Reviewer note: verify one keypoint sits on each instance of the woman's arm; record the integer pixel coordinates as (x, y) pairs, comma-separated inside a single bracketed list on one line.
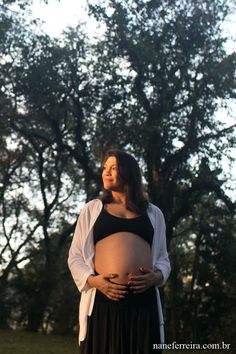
[(78, 265)]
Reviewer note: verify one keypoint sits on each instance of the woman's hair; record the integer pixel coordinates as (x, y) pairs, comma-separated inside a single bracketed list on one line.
[(130, 176)]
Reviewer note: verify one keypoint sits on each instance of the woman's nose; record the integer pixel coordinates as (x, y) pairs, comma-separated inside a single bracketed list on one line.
[(107, 172)]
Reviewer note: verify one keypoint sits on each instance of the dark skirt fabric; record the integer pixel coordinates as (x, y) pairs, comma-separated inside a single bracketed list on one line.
[(128, 326)]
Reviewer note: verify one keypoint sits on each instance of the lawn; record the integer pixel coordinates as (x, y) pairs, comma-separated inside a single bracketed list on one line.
[(17, 342)]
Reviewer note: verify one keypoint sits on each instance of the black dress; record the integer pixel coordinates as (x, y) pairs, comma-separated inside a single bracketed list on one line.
[(128, 326)]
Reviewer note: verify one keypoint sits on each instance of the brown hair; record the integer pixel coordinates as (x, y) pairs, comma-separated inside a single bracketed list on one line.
[(130, 175)]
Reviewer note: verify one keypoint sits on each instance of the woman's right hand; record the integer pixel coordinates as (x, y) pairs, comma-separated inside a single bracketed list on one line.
[(102, 282)]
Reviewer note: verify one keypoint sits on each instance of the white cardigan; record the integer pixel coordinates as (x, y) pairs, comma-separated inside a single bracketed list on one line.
[(81, 254)]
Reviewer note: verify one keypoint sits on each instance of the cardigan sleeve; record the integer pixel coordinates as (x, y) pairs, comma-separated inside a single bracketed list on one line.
[(161, 259), (78, 263)]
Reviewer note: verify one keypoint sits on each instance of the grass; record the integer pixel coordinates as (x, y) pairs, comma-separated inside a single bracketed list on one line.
[(19, 342)]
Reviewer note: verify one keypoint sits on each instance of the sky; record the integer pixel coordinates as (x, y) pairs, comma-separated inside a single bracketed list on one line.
[(59, 14)]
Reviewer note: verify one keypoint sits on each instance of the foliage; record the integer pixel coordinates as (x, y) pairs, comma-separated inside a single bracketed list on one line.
[(204, 249)]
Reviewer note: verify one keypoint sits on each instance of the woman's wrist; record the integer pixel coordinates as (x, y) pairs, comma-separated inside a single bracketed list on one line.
[(91, 280), (159, 277)]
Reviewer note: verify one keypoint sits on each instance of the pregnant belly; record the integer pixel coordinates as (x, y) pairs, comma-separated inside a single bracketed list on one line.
[(122, 254)]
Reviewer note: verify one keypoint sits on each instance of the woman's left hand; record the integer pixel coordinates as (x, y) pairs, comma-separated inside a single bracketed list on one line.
[(140, 283)]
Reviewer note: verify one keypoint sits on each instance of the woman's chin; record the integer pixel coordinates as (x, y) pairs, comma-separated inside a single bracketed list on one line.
[(107, 187)]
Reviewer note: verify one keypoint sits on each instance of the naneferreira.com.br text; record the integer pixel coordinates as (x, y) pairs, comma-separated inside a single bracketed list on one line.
[(194, 346)]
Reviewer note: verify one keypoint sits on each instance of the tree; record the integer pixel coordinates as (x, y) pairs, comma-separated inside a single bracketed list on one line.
[(51, 179), (36, 185), (175, 70), (203, 251)]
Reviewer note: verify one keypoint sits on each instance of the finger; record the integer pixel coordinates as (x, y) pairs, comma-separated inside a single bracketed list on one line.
[(111, 294), (119, 290), (112, 298), (137, 283), (138, 278), (135, 289), (110, 276), (145, 270), (138, 286), (141, 277), (117, 287), (116, 296), (139, 289)]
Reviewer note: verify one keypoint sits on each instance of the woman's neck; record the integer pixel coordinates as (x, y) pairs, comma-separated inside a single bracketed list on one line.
[(119, 198)]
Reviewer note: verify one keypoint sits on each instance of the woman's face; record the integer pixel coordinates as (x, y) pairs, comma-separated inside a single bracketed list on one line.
[(110, 175)]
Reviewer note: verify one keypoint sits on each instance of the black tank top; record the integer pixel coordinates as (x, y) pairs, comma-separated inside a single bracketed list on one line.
[(108, 224)]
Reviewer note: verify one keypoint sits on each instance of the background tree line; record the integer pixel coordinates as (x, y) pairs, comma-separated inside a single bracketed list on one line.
[(151, 83)]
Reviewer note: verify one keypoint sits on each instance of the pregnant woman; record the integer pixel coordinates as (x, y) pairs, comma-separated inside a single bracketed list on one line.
[(118, 259)]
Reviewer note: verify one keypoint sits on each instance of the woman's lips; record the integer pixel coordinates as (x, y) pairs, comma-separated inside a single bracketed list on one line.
[(107, 179)]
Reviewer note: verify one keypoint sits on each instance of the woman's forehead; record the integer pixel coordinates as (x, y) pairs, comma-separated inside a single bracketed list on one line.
[(111, 161)]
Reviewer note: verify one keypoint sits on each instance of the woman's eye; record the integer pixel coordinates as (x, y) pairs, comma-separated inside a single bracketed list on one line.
[(113, 168)]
